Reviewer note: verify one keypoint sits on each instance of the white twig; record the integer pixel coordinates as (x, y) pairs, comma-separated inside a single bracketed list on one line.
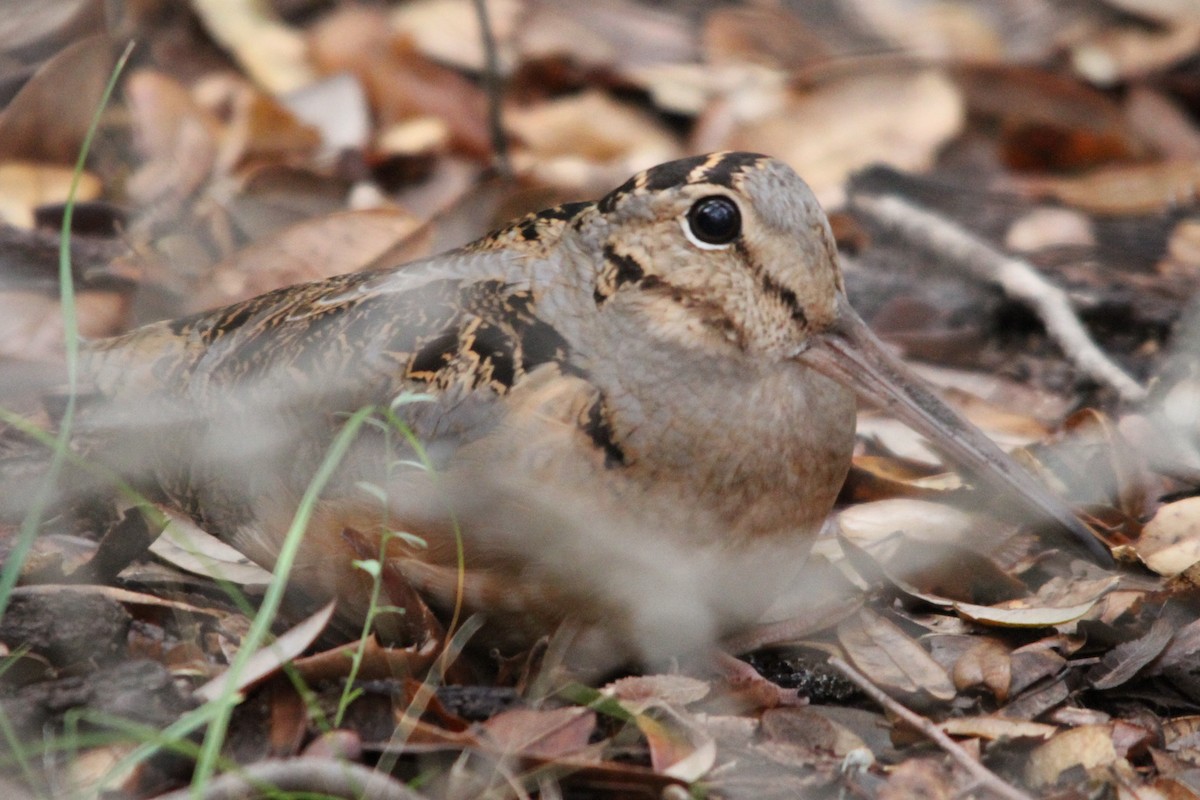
[(984, 776), (1015, 276)]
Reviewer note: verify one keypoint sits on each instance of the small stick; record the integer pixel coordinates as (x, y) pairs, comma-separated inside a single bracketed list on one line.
[(491, 82), (1015, 276), (983, 776)]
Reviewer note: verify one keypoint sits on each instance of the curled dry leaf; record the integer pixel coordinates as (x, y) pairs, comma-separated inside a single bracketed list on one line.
[(679, 748), (187, 546), (897, 118), (1122, 663), (1170, 541), (932, 31), (1052, 606), (892, 658)]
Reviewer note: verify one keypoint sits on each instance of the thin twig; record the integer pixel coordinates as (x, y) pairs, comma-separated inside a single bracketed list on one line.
[(984, 776), (316, 775), (492, 84), (1015, 276)]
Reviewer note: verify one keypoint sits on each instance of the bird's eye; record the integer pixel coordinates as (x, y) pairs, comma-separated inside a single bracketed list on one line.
[(714, 220)]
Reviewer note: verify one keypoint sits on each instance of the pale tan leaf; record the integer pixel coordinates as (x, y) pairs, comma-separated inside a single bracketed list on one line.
[(1087, 747), (586, 140), (996, 728), (190, 548), (1016, 615), (271, 657), (275, 56), (636, 691), (541, 733), (897, 118), (892, 658), (25, 185), (678, 747), (1170, 541)]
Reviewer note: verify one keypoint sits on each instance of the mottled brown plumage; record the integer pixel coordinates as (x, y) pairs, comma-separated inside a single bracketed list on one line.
[(627, 403)]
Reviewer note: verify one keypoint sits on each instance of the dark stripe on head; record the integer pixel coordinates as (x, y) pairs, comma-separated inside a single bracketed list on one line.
[(673, 173), (731, 165), (564, 212)]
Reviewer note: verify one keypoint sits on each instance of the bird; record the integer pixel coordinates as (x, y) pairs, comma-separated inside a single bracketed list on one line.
[(634, 413)]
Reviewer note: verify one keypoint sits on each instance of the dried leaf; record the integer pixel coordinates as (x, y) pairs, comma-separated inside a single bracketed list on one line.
[(1150, 188), (275, 55), (897, 118), (1088, 746), (1051, 607), (581, 142), (891, 657), (987, 663), (801, 736), (546, 734), (637, 691), (1120, 664), (996, 728), (272, 657), (25, 185), (678, 748), (1170, 542), (49, 117), (185, 545)]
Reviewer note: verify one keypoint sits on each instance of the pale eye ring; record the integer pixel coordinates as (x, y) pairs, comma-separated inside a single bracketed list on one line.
[(713, 222)]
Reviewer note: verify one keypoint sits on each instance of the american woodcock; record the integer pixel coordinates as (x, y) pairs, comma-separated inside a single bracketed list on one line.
[(639, 409)]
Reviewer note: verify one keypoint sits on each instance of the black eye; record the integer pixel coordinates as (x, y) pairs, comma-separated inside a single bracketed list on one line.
[(715, 220)]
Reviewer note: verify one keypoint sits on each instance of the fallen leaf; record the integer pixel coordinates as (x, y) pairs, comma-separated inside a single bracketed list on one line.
[(1150, 188), (636, 691), (270, 658), (1170, 541), (898, 118), (185, 545), (25, 185), (987, 663), (582, 142), (893, 659), (1088, 747), (550, 733), (275, 55), (1120, 664), (1020, 614), (49, 117), (996, 728)]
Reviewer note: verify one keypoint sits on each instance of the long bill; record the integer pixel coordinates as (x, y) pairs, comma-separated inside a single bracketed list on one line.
[(851, 354)]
